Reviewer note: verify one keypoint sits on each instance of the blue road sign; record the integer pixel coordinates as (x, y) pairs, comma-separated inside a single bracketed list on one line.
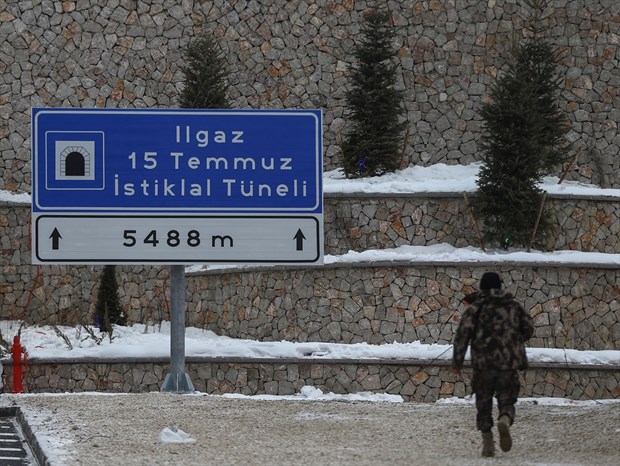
[(153, 160), (177, 186)]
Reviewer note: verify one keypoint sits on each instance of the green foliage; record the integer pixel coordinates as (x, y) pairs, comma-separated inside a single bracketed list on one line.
[(523, 140), (108, 309), (206, 74), (373, 145)]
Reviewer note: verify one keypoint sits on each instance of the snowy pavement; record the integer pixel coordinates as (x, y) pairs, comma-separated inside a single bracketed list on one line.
[(167, 429)]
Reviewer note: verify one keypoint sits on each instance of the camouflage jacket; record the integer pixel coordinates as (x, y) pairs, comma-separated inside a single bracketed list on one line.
[(497, 328)]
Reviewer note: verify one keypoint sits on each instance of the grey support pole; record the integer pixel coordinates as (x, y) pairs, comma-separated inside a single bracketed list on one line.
[(177, 380)]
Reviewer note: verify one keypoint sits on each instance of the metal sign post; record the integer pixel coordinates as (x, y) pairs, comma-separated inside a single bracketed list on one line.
[(164, 186), (177, 380)]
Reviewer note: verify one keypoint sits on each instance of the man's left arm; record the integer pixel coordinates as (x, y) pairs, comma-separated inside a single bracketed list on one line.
[(461, 339), (526, 324)]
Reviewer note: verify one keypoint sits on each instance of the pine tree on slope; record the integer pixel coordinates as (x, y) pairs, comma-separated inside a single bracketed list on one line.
[(206, 74), (523, 140), (372, 147)]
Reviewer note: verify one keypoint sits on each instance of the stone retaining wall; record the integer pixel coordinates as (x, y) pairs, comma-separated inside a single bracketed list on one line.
[(421, 381), (401, 301), (363, 221), (296, 54)]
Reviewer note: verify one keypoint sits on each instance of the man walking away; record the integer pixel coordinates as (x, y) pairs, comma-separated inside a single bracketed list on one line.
[(497, 328)]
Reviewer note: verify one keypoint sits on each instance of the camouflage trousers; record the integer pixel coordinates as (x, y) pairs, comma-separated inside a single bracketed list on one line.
[(504, 385)]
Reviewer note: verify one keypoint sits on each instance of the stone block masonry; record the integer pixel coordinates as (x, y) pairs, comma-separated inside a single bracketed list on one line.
[(413, 380), (365, 221), (400, 301), (297, 54)]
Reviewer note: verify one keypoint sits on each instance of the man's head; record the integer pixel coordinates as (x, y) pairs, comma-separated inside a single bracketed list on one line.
[(490, 280)]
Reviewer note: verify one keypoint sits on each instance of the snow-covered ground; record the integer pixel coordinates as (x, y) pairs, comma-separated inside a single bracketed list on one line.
[(139, 340), (310, 428), (442, 178)]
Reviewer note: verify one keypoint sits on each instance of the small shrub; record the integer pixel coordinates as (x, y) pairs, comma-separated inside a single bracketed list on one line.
[(108, 310)]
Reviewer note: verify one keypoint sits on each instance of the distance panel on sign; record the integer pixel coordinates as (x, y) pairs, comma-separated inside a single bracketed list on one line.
[(110, 239)]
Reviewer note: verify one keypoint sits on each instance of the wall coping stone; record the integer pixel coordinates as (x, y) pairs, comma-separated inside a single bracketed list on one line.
[(421, 194), (14, 204), (348, 361), (403, 263), (451, 194)]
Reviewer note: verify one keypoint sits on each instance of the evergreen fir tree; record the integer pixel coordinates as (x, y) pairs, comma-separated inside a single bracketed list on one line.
[(206, 74), (523, 140), (108, 309), (373, 145)]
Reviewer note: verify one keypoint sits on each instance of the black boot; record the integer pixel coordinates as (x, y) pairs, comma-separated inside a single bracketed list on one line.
[(503, 426), (488, 446)]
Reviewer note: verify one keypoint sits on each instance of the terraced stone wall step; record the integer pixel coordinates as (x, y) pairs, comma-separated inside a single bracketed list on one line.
[(573, 306), (414, 380)]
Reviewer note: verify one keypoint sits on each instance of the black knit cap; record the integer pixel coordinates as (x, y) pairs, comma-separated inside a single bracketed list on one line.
[(490, 280)]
